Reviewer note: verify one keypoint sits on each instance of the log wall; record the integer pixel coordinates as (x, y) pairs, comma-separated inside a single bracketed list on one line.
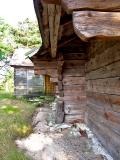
[(103, 93), (74, 90), (67, 71)]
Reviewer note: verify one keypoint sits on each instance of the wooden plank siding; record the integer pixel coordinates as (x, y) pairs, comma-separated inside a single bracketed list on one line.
[(103, 93), (49, 86), (26, 83)]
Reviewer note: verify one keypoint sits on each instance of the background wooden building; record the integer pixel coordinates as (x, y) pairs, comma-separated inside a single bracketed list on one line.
[(26, 83)]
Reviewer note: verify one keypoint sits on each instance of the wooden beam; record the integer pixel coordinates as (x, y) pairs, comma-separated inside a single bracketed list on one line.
[(54, 13), (89, 24), (101, 5), (52, 1)]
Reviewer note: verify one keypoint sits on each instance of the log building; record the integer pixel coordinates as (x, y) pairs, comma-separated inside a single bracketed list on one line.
[(26, 83), (81, 54)]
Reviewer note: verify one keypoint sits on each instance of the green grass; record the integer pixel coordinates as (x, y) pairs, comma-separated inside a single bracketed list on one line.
[(15, 117)]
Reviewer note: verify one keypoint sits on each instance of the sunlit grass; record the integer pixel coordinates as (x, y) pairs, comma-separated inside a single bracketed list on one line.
[(15, 117), (10, 109), (15, 120)]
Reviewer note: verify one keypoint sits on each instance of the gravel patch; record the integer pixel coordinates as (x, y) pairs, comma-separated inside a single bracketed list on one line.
[(52, 141)]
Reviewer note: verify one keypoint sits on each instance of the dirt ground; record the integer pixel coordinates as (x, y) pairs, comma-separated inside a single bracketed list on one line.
[(51, 141)]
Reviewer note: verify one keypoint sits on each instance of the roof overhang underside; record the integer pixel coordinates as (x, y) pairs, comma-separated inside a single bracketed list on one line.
[(59, 20)]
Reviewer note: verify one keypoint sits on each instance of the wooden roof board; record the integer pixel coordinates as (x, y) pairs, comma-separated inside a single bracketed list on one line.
[(52, 1), (89, 24), (100, 5), (19, 58)]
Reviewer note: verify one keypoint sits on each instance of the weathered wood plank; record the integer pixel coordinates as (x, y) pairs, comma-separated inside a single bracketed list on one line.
[(74, 72), (74, 92), (89, 24), (112, 70), (74, 118), (54, 13), (45, 22), (95, 116), (78, 98), (74, 109), (73, 56), (108, 86), (74, 63), (52, 1), (105, 58), (108, 115), (108, 138), (105, 102), (46, 64), (75, 106), (50, 72), (74, 81), (106, 5), (74, 112)]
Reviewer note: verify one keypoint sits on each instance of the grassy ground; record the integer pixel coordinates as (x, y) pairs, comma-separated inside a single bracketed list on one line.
[(15, 117)]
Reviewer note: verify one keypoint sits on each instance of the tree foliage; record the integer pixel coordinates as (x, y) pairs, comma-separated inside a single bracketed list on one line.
[(25, 34)]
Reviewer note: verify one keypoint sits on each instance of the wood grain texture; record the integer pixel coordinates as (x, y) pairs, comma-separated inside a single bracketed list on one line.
[(106, 5), (89, 24), (108, 71), (103, 93), (105, 56), (54, 13), (52, 1), (108, 138), (108, 86)]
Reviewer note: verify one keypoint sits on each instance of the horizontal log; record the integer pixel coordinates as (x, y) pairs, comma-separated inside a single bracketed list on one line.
[(75, 106), (74, 72), (52, 1), (46, 72), (95, 116), (106, 56), (107, 86), (73, 112), (74, 63), (106, 5), (108, 115), (75, 87), (98, 46), (74, 92), (73, 56), (109, 139), (78, 98), (74, 81), (53, 79), (105, 101), (74, 118), (112, 70), (45, 64), (74, 109), (89, 24)]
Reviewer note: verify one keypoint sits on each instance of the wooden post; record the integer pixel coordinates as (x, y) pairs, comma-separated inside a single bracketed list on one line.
[(60, 103)]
